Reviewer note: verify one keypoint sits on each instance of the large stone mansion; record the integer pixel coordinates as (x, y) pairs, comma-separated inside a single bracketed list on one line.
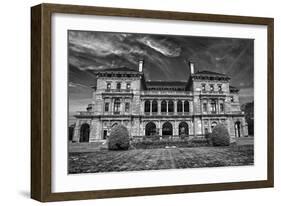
[(165, 108)]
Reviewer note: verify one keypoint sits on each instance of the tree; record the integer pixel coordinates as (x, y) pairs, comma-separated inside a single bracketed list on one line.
[(119, 138), (220, 136)]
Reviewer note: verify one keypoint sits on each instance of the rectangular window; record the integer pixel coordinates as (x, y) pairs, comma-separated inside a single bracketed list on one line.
[(106, 107), (211, 87), (204, 107), (220, 88), (117, 106), (221, 107), (118, 86), (232, 99), (127, 107), (128, 86), (108, 86), (203, 87), (213, 107)]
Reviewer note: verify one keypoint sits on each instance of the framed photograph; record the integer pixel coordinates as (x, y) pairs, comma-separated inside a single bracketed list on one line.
[(132, 102)]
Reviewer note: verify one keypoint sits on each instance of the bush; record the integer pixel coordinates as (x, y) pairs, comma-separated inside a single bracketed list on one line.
[(119, 138), (220, 136)]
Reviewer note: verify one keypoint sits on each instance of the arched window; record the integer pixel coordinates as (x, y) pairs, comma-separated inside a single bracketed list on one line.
[(147, 106), (154, 106), (163, 106), (84, 132), (179, 106), (167, 129), (117, 106), (186, 106), (150, 129), (183, 129), (213, 106), (170, 106), (213, 124), (237, 128)]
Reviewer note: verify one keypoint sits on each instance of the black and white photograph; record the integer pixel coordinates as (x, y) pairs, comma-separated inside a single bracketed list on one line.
[(155, 101)]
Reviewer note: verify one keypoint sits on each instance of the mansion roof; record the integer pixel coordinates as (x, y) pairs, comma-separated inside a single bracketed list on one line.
[(162, 84)]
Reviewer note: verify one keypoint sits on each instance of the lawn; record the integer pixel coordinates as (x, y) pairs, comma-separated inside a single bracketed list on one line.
[(155, 159)]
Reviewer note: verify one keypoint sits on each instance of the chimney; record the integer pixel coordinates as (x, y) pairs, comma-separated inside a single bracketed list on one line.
[(191, 66), (140, 65)]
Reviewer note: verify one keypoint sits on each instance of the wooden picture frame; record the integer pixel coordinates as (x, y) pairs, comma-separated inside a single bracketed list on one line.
[(41, 96)]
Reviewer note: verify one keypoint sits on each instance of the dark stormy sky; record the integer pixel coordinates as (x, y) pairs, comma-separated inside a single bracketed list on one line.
[(165, 59)]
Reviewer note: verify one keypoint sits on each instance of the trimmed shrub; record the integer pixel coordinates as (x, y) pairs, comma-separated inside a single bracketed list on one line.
[(220, 136), (119, 138)]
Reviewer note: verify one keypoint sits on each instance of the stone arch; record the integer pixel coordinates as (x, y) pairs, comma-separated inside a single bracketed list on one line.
[(167, 129), (114, 124), (170, 106), (154, 106), (150, 129), (213, 124), (163, 106), (147, 106), (84, 133), (186, 106), (183, 129), (179, 106)]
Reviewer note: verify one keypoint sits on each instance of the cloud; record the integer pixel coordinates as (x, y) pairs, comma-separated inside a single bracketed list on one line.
[(76, 85), (162, 46)]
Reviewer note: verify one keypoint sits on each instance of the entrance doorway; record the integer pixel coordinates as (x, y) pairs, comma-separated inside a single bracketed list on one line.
[(84, 133), (183, 129), (167, 129), (104, 134), (150, 129), (237, 127)]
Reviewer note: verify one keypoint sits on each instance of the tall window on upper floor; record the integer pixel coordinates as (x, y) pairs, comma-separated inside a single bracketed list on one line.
[(127, 107), (211, 87), (117, 106), (204, 107), (128, 86), (147, 106), (154, 106), (232, 99), (203, 87), (186, 106), (118, 86), (108, 86), (220, 88), (213, 107), (106, 107), (179, 106), (170, 106), (221, 107), (163, 106)]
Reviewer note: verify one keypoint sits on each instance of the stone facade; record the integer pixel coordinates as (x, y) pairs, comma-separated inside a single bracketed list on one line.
[(191, 108)]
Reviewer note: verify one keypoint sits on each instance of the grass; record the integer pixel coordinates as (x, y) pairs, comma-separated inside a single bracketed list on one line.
[(155, 159)]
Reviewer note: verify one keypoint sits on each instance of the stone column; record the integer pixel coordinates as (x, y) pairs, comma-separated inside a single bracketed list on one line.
[(112, 106), (182, 103), (217, 104), (167, 104), (175, 106), (150, 107), (143, 106), (159, 107), (76, 134)]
